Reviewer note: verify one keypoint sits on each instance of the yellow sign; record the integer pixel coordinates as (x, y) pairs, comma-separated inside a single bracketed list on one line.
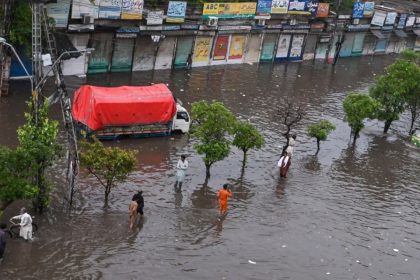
[(230, 10), (237, 45), (202, 49)]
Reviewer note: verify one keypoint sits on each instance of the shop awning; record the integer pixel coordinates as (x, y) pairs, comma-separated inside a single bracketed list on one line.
[(64, 44), (400, 33), (416, 31), (379, 34)]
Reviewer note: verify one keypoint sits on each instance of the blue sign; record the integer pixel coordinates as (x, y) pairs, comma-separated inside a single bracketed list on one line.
[(401, 22), (313, 6), (264, 7), (176, 11), (358, 9), (298, 7)]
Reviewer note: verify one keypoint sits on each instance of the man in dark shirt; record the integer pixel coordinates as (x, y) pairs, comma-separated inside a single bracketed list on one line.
[(140, 203), (2, 241)]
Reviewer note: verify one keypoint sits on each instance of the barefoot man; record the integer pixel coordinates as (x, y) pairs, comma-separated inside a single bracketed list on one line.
[(132, 210), (223, 195)]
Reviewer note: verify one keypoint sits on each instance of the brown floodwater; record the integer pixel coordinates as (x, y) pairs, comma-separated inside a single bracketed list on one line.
[(347, 213)]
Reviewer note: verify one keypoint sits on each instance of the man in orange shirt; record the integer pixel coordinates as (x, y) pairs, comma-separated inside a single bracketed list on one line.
[(223, 195)]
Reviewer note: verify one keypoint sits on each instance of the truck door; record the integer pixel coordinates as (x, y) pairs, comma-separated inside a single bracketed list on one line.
[(182, 122)]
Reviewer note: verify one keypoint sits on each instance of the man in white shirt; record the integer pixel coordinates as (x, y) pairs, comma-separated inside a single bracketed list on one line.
[(181, 167), (25, 224)]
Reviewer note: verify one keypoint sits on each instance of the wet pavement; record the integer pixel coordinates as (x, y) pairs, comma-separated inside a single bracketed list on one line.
[(347, 213)]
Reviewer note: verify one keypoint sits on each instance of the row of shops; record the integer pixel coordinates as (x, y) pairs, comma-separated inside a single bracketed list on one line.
[(121, 52)]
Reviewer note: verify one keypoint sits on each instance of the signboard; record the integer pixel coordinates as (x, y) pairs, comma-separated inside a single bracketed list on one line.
[(358, 8), (176, 11), (229, 10), (237, 46), (296, 47), (110, 9), (132, 9), (264, 8), (298, 7), (154, 17), (313, 7), (390, 18), (378, 18), (59, 12), (84, 7), (410, 21), (220, 48), (401, 22), (323, 10), (202, 47), (279, 6), (283, 46), (368, 9)]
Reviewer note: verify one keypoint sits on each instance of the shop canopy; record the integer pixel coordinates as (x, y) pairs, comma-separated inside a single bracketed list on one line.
[(99, 107)]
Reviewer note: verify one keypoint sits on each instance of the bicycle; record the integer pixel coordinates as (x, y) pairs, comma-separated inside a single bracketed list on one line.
[(14, 230)]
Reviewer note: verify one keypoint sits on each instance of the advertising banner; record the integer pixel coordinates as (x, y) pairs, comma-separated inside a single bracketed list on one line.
[(110, 9), (154, 18), (176, 11), (279, 6), (358, 8), (378, 18), (59, 12), (264, 7), (296, 47), (410, 21), (401, 22), (202, 49), (220, 48), (323, 10), (132, 9), (229, 10), (84, 7), (283, 46), (237, 46), (313, 7), (390, 18), (298, 7), (368, 9)]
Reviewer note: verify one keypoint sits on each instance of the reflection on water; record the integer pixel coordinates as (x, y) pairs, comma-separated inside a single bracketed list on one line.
[(346, 213)]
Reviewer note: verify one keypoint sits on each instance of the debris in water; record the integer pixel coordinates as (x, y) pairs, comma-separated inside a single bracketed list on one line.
[(251, 262), (396, 250), (328, 273), (283, 246), (181, 89)]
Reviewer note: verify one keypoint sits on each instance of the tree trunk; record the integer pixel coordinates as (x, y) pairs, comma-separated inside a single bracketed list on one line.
[(107, 192), (208, 170), (355, 136), (413, 119), (317, 146), (244, 160), (387, 126)]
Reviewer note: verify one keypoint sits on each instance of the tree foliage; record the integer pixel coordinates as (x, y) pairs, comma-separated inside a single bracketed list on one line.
[(38, 139), (320, 131), (213, 123), (358, 107), (110, 165), (21, 27), (247, 137), (15, 176)]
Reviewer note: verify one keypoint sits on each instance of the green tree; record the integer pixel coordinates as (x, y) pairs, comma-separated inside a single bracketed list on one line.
[(214, 123), (412, 90), (15, 176), (247, 137), (21, 27), (393, 89), (320, 131), (358, 107), (38, 139), (110, 165)]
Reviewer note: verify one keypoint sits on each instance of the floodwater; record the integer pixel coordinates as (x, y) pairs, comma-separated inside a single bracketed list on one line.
[(347, 213)]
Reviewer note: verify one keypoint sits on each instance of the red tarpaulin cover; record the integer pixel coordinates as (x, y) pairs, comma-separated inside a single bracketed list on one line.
[(98, 107)]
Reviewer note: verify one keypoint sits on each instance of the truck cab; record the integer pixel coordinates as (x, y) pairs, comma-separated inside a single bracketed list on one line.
[(182, 120)]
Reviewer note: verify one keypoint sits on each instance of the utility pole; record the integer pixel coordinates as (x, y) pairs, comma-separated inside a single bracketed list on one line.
[(332, 39)]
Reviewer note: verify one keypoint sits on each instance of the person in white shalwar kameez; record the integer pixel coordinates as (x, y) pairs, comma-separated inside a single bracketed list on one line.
[(181, 167), (25, 224)]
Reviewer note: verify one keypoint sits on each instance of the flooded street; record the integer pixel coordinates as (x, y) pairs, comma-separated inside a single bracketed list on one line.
[(347, 213)]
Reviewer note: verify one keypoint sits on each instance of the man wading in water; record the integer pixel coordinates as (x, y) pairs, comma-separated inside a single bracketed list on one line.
[(181, 167), (132, 210)]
